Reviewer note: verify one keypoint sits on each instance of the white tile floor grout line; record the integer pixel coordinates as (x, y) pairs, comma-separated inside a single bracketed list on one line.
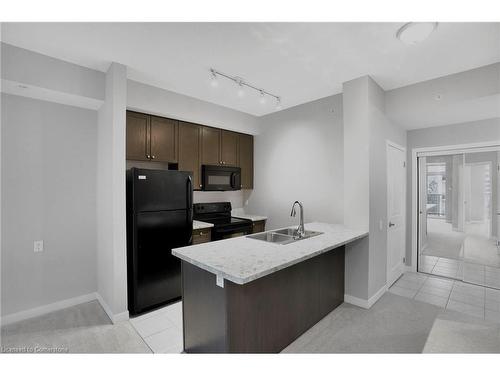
[(142, 338), (454, 285)]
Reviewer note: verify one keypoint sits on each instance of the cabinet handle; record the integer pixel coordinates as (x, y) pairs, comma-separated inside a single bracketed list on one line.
[(201, 233), (153, 157), (148, 156), (201, 185)]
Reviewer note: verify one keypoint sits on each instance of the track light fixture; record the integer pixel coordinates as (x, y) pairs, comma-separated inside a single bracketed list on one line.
[(241, 84)]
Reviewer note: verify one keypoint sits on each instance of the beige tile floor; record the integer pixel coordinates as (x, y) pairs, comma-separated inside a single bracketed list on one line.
[(474, 300), (161, 329)]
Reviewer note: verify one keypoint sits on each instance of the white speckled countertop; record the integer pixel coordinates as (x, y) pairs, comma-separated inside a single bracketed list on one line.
[(201, 225), (238, 212), (242, 259)]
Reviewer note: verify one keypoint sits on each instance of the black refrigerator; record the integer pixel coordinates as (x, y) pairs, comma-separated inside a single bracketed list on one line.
[(159, 218)]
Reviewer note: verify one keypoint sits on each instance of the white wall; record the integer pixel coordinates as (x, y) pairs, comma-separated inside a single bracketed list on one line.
[(51, 79), (237, 198), (157, 101), (299, 156), (48, 193), (466, 96), (356, 183), (366, 130), (456, 134), (111, 203), (381, 131)]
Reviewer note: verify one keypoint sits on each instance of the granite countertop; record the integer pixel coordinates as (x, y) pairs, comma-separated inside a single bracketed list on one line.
[(243, 259), (201, 225), (238, 212)]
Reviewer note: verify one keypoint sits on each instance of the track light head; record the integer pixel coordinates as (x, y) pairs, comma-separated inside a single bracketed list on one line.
[(241, 90), (278, 103), (214, 82), (262, 99)]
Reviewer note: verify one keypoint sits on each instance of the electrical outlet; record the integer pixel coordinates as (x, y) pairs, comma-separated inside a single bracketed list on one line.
[(38, 246)]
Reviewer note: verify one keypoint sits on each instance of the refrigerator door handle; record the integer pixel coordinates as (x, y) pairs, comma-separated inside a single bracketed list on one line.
[(189, 198), (189, 216)]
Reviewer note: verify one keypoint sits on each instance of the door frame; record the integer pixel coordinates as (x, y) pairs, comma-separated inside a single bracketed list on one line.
[(403, 149), (433, 151)]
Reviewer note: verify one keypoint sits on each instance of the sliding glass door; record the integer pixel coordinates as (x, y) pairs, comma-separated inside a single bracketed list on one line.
[(440, 215), (458, 201)]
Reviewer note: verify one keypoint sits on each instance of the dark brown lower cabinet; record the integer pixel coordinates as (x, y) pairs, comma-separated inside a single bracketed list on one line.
[(262, 316), (201, 236), (259, 226)]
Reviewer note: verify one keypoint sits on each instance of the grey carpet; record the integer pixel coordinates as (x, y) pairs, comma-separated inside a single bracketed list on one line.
[(393, 325), (83, 328)]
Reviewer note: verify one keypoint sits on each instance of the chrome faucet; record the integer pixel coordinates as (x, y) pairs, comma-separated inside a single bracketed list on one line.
[(300, 230)]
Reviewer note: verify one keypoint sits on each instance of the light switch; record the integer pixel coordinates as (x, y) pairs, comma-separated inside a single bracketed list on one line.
[(38, 246)]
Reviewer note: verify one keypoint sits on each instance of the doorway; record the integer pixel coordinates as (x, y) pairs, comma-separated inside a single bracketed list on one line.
[(458, 205)]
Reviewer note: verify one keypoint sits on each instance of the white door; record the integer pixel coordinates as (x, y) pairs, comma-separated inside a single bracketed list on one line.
[(396, 193)]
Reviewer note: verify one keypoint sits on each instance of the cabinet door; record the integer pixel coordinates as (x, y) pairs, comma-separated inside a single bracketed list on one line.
[(163, 139), (201, 236), (259, 226), (137, 142), (189, 151), (210, 146), (229, 148), (246, 160)]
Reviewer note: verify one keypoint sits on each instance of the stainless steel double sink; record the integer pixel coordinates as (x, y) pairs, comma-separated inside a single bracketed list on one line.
[(283, 236)]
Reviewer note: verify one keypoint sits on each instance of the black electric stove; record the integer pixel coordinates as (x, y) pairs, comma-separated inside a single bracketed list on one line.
[(219, 214)]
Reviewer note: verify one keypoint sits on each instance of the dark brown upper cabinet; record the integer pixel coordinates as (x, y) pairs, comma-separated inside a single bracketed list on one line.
[(151, 138), (138, 139), (245, 160), (210, 146), (229, 148), (164, 139), (189, 151)]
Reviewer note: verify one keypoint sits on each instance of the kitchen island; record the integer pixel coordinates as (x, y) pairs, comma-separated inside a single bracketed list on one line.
[(244, 295)]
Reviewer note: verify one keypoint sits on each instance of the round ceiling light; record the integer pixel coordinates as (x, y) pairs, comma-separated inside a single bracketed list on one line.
[(415, 32)]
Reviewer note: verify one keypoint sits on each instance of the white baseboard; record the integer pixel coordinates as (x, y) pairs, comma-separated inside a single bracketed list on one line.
[(115, 318), (356, 301), (365, 304), (41, 310), (59, 305)]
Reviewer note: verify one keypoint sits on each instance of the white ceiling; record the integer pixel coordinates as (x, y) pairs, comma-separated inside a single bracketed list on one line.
[(300, 62)]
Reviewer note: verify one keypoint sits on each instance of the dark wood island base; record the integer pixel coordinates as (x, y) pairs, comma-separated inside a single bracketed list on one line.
[(264, 315)]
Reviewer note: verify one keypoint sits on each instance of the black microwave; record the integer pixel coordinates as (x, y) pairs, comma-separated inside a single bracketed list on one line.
[(218, 178)]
